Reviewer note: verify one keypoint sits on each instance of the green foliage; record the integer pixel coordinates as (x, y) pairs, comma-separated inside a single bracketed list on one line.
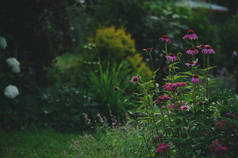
[(113, 44), (63, 68), (139, 66), (228, 34), (184, 115), (109, 87), (130, 14), (63, 107)]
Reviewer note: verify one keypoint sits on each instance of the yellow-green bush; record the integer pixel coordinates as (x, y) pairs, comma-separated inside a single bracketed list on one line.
[(116, 45), (108, 45), (113, 44), (137, 63)]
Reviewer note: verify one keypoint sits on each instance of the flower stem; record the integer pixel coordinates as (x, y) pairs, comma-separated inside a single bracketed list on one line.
[(207, 88), (166, 48)]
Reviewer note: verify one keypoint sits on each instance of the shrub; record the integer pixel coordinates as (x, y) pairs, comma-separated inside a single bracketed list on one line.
[(228, 35), (63, 108), (63, 67), (113, 44), (139, 66), (130, 14)]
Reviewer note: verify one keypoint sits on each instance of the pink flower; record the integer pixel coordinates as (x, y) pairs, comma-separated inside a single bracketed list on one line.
[(200, 46), (220, 124), (162, 147), (171, 57), (216, 147), (192, 51), (147, 49), (228, 114), (165, 38), (169, 86), (173, 86), (191, 35), (192, 63), (184, 107), (164, 97), (207, 49), (135, 79), (195, 79), (180, 84), (172, 106), (157, 101)]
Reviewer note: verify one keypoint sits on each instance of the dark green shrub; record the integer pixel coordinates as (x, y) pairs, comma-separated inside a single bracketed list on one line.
[(63, 108), (228, 34), (130, 14)]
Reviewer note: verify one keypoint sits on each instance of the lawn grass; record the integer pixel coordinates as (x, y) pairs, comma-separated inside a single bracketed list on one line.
[(41, 143), (106, 142)]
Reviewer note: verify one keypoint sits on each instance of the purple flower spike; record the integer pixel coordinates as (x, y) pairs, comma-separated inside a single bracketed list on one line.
[(195, 79), (191, 35), (171, 57), (192, 51), (165, 38), (208, 50)]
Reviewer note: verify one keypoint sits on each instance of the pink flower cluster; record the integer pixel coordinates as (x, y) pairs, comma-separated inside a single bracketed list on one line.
[(216, 147), (165, 38), (191, 35), (220, 124), (228, 114), (192, 51), (164, 97), (135, 79), (195, 79), (171, 57), (192, 63), (162, 147), (184, 107), (173, 86), (171, 106), (206, 49)]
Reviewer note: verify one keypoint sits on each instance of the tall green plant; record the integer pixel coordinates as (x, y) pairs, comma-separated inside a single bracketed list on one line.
[(109, 86)]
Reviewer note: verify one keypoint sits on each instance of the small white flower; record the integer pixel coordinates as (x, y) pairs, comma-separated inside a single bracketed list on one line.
[(14, 64), (235, 53), (82, 1), (11, 91)]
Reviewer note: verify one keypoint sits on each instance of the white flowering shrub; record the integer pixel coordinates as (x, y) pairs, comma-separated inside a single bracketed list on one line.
[(11, 91), (10, 68), (14, 64)]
